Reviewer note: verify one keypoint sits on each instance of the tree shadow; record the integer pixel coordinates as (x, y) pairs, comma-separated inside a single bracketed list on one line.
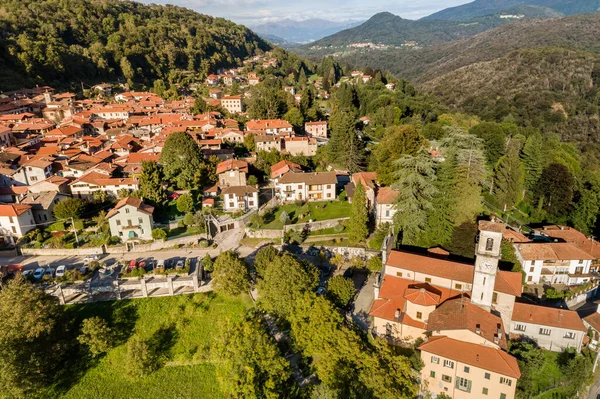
[(161, 343)]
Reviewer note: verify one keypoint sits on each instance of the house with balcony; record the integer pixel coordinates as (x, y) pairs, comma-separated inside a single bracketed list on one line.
[(239, 198), (316, 186), (552, 263), (131, 219), (15, 221)]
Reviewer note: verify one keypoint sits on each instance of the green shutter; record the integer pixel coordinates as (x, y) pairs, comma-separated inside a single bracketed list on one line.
[(469, 386)]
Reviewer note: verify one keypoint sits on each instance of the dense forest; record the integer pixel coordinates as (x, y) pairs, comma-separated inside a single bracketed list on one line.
[(55, 42)]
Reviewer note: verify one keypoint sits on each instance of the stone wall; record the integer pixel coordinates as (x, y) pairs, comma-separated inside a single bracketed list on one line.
[(263, 233), (62, 251), (321, 225)]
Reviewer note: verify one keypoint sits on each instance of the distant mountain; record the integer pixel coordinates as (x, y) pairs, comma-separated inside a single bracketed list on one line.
[(480, 8), (303, 31), (389, 29)]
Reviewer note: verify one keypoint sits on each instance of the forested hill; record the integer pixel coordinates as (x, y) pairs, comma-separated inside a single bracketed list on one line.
[(56, 41), (484, 7)]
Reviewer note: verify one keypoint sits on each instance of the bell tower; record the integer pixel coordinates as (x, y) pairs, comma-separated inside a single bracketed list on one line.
[(487, 256)]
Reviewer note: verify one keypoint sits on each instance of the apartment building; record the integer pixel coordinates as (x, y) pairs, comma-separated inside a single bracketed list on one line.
[(239, 198), (317, 186), (316, 129), (233, 104)]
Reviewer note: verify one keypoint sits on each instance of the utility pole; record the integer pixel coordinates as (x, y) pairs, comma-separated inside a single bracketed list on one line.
[(74, 230)]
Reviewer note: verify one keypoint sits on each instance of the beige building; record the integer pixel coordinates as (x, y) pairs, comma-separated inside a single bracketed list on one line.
[(316, 129), (384, 205), (233, 104), (300, 146), (267, 143), (239, 198), (88, 184), (232, 172), (317, 186), (131, 219), (466, 370)]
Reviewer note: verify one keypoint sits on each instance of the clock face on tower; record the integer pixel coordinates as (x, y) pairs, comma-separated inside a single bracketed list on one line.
[(486, 265)]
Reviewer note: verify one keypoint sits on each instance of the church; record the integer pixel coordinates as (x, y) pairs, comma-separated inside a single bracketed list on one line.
[(465, 313)]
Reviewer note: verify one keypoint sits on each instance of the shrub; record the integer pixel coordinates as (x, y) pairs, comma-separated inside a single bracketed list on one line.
[(78, 224), (252, 180), (58, 226), (343, 196), (96, 335), (185, 203), (374, 264), (159, 234), (188, 219), (338, 228), (203, 244), (298, 203), (180, 224), (113, 240), (140, 360), (70, 245), (207, 263)]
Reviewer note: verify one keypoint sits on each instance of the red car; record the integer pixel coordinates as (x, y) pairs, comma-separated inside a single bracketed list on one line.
[(133, 264)]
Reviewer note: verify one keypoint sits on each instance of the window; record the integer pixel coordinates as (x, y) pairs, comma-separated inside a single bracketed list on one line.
[(432, 374), (449, 363), (495, 297), (529, 278), (398, 274), (118, 222), (126, 210), (489, 244), (128, 222), (505, 381), (467, 369), (231, 204), (446, 378), (419, 315), (485, 391), (463, 384), (120, 234), (487, 376), (250, 203), (520, 327), (531, 269), (502, 396), (14, 230), (140, 221), (544, 331), (458, 286), (427, 280), (570, 335), (435, 360), (581, 261), (10, 218), (387, 213)]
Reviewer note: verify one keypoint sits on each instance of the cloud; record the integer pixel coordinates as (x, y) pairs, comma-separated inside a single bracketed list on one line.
[(253, 12)]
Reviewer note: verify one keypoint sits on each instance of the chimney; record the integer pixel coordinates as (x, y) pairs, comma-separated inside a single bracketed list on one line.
[(397, 314), (478, 329)]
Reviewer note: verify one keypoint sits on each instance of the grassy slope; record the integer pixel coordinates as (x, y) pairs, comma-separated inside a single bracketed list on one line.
[(322, 210), (184, 324)]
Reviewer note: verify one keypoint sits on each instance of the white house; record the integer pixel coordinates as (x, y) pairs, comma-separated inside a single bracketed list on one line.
[(551, 328), (131, 219), (88, 184), (554, 263), (15, 221), (384, 205), (239, 198), (233, 104), (317, 186)]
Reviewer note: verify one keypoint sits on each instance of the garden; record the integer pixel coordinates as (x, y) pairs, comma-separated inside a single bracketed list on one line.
[(300, 212)]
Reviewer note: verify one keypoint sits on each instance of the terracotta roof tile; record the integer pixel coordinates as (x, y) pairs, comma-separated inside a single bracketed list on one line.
[(552, 251), (484, 357), (545, 316)]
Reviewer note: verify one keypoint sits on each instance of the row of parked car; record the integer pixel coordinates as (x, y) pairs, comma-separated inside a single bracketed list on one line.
[(149, 265), (60, 271)]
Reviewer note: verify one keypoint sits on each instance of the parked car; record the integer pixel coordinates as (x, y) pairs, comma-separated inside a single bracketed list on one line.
[(150, 266), (90, 258), (27, 273), (60, 271), (84, 269), (180, 264), (320, 290), (49, 272), (160, 264), (39, 273), (133, 264)]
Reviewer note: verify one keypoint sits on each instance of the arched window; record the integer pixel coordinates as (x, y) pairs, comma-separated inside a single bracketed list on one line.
[(489, 244)]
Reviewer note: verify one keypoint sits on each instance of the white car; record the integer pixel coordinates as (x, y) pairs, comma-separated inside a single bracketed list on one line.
[(90, 258), (60, 271), (180, 264), (39, 273), (160, 264)]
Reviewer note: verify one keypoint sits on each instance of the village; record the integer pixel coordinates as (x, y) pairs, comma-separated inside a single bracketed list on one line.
[(92, 153)]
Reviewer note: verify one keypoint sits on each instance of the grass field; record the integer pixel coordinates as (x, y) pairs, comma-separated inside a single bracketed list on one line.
[(317, 211), (184, 325)]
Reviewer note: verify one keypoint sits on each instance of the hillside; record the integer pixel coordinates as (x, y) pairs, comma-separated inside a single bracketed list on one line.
[(390, 29), (302, 31), (479, 8), (55, 42)]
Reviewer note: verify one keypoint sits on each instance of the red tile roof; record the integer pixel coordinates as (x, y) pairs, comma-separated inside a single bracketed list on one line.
[(480, 356), (232, 164), (552, 251), (283, 167), (386, 195), (545, 316), (132, 201), (13, 209)]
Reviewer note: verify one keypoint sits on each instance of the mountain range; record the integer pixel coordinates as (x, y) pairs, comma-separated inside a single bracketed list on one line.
[(302, 31), (480, 8)]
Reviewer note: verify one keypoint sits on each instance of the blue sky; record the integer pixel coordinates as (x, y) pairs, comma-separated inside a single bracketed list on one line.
[(256, 11)]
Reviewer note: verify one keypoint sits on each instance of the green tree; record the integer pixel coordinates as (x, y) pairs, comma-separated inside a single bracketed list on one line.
[(554, 190), (252, 180), (200, 220), (345, 147), (586, 204), (397, 141), (284, 280), (248, 362), (284, 218), (102, 222), (250, 142), (124, 193), (100, 196), (440, 224), (96, 335), (159, 87), (140, 360), (416, 189), (188, 219), (267, 100), (69, 208), (374, 264), (182, 160), (358, 229), (185, 203), (533, 161), (31, 338), (509, 178), (340, 290), (151, 184), (207, 263), (295, 118), (159, 234), (263, 258), (230, 274), (494, 137)]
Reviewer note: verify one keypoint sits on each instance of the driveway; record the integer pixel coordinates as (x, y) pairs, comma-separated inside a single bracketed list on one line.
[(362, 305)]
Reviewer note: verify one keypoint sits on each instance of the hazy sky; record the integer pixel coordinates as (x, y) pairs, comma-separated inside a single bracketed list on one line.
[(256, 11)]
